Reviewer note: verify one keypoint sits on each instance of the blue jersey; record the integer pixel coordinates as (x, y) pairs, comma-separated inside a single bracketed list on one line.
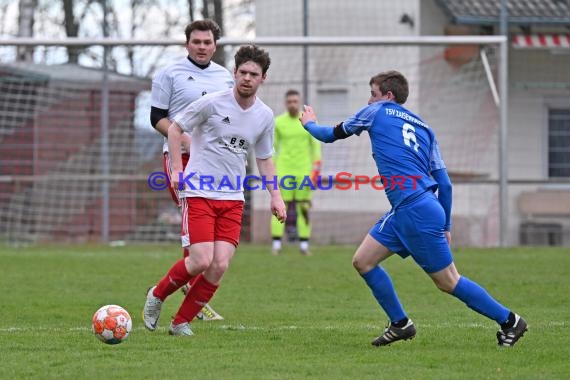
[(404, 148)]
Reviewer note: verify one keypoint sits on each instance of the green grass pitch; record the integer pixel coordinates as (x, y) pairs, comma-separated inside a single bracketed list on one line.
[(287, 317)]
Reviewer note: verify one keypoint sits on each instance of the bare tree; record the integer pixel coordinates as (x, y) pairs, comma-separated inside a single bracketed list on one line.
[(214, 10), (220, 55), (206, 8), (219, 12), (26, 15), (72, 22), (131, 19), (71, 25), (143, 61), (191, 8), (132, 31), (139, 15)]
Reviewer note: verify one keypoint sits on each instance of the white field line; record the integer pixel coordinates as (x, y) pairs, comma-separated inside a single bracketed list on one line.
[(237, 327)]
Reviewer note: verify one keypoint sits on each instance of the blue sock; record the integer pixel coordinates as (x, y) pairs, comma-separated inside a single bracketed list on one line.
[(479, 300), (383, 290)]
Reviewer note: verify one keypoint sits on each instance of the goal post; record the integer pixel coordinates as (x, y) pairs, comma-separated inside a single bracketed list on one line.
[(52, 121)]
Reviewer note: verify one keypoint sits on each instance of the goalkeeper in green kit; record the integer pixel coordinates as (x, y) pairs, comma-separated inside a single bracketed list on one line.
[(298, 155)]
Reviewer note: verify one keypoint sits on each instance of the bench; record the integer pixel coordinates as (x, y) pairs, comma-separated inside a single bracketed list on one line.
[(541, 211), (545, 203)]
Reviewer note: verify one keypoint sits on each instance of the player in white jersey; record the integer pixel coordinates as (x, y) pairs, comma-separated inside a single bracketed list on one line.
[(178, 85), (225, 127)]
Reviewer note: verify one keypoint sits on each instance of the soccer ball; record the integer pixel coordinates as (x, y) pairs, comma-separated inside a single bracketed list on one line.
[(112, 324)]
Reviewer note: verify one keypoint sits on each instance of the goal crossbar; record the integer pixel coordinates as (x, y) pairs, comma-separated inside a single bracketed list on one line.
[(267, 41)]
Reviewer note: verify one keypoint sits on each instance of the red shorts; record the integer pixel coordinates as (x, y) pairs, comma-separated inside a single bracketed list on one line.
[(210, 220), (184, 238)]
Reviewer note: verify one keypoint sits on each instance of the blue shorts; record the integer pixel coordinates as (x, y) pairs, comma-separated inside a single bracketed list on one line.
[(416, 228)]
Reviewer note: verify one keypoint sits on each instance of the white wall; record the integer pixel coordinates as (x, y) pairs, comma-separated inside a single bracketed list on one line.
[(455, 100), (537, 79), (340, 66), (334, 70)]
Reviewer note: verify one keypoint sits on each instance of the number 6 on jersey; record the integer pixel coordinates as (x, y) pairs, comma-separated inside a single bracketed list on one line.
[(409, 133)]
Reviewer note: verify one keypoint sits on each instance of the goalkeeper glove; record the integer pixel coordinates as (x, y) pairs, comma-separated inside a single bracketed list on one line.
[(316, 172)]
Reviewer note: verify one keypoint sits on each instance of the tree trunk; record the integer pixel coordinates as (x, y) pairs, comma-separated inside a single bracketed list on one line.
[(219, 13), (206, 8), (191, 10), (71, 30), (26, 15), (220, 55), (130, 49)]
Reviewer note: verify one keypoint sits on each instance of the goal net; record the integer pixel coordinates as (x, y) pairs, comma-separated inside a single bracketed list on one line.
[(53, 177), (451, 88)]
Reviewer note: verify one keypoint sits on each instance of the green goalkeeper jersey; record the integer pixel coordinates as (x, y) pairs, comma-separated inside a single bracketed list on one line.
[(295, 149)]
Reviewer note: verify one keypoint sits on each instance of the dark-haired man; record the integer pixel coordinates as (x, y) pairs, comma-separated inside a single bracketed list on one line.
[(226, 126), (297, 156), (178, 85)]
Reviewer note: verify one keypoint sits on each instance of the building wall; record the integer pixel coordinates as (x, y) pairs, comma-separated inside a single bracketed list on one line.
[(536, 86), (338, 87), (452, 95), (339, 67), (61, 137), (539, 80)]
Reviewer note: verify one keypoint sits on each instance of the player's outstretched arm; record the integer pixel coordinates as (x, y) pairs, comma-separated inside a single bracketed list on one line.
[(174, 141), (444, 193), (321, 133), (267, 170)]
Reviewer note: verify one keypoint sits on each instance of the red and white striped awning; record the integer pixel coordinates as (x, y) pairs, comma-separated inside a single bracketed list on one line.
[(541, 41)]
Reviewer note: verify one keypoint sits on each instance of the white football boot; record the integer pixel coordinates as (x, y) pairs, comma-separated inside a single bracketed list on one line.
[(151, 310), (181, 329)]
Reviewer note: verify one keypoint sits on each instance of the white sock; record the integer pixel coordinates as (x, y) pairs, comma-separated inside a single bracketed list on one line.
[(276, 246), (304, 245)]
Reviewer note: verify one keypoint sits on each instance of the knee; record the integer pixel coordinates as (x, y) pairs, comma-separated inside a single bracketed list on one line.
[(446, 279), (197, 264), (217, 269), (221, 266), (446, 285), (361, 264)]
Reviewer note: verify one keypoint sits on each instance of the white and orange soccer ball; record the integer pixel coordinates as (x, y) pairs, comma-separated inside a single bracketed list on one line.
[(112, 324)]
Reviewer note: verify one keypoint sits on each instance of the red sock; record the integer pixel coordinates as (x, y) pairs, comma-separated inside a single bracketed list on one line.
[(191, 282), (174, 279), (199, 295)]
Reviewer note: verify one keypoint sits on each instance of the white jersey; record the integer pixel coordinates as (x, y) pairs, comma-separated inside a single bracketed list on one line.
[(181, 83), (223, 134)]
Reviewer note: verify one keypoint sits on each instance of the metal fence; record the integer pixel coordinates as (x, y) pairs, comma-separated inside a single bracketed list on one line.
[(77, 147)]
